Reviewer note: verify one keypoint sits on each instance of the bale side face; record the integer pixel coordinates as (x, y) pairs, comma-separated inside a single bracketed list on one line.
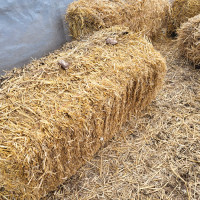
[(188, 40), (181, 11), (87, 16), (55, 120)]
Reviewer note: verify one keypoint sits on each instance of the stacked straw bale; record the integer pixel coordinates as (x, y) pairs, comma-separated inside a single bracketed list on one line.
[(188, 40), (181, 11), (53, 120), (87, 16)]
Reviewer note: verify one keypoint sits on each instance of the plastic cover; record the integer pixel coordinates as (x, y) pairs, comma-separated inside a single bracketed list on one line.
[(30, 29)]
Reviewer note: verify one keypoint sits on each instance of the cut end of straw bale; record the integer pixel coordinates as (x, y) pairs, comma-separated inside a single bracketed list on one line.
[(86, 16), (181, 11), (188, 40), (52, 120)]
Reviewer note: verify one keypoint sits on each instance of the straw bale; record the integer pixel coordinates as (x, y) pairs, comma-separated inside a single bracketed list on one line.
[(188, 40), (53, 120), (181, 11), (87, 16)]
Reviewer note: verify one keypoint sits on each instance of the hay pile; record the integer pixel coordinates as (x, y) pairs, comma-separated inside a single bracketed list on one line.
[(53, 120), (188, 40), (87, 16), (181, 11), (159, 155)]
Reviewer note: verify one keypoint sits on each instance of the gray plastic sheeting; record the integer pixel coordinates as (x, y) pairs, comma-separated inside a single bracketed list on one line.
[(30, 29)]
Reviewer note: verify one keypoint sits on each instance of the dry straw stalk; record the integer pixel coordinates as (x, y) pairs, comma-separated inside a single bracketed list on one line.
[(87, 16), (53, 120), (188, 40), (181, 11)]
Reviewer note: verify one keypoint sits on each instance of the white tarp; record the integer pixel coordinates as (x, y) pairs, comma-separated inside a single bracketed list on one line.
[(30, 29)]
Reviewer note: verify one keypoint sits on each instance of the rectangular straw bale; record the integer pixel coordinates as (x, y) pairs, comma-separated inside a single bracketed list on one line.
[(87, 16), (53, 120)]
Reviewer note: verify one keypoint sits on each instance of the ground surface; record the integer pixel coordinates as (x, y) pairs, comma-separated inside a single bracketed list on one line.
[(158, 155)]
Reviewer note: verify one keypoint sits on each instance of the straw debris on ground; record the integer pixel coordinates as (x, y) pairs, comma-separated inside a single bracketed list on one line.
[(158, 156), (188, 40), (181, 11), (59, 110), (86, 16)]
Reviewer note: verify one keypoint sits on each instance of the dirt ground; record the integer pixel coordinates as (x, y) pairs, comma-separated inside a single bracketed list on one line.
[(157, 155)]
